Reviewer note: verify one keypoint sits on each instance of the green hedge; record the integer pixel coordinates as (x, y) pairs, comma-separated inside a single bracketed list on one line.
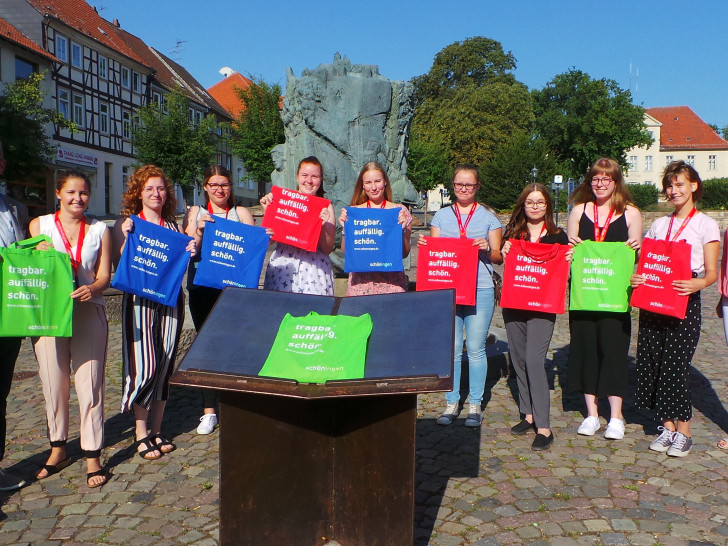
[(716, 194), (643, 195)]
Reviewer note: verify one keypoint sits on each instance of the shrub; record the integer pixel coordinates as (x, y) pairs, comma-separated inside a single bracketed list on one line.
[(716, 194), (643, 195)]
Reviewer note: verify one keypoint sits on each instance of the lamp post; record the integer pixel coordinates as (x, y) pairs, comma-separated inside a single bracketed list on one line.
[(534, 173), (556, 187)]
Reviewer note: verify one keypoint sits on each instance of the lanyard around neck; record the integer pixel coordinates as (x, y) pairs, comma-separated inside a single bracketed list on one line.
[(601, 233), (682, 226), (383, 205), (463, 227), (141, 215), (75, 261), (209, 210)]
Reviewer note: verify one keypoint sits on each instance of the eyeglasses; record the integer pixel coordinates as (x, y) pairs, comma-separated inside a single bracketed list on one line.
[(217, 187), (466, 187), (602, 181), (535, 204)]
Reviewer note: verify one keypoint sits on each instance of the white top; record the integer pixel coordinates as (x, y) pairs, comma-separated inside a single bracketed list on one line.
[(89, 253), (701, 230)]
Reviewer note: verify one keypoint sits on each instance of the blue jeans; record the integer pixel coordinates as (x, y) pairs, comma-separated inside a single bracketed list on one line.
[(476, 321)]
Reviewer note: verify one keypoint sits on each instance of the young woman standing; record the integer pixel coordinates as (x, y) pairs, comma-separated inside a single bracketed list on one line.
[(529, 332), (468, 219), (373, 190), (88, 243), (666, 345), (600, 339)]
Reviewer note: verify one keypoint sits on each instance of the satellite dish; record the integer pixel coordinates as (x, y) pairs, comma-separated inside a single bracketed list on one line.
[(226, 71)]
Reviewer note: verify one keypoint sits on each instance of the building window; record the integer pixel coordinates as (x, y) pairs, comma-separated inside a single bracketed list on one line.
[(76, 56), (23, 69), (102, 67), (62, 48), (64, 103), (691, 160), (104, 118), (648, 162), (125, 174), (632, 163), (191, 119), (198, 118), (712, 162), (136, 82), (125, 77), (157, 98), (668, 159), (78, 111), (126, 125), (228, 162)]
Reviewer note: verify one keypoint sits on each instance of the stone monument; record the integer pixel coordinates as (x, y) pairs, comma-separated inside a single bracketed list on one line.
[(346, 115)]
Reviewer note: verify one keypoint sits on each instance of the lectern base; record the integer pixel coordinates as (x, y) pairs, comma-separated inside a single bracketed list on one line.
[(308, 471)]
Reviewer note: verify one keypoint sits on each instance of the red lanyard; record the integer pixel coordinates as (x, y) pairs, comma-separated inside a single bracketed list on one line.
[(141, 215), (75, 262), (209, 210), (682, 227), (464, 227), (383, 205), (540, 235), (601, 234)]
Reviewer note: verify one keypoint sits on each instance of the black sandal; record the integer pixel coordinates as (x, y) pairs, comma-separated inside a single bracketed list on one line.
[(101, 472), (150, 446), (164, 443), (54, 468)]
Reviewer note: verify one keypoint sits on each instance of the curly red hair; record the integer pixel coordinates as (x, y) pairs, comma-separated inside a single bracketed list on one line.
[(131, 201)]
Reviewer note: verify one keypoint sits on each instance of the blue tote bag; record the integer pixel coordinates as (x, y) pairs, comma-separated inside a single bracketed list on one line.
[(373, 240), (153, 262), (232, 254)]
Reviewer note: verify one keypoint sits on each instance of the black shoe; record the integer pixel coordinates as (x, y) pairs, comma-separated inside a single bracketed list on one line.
[(522, 428), (541, 442)]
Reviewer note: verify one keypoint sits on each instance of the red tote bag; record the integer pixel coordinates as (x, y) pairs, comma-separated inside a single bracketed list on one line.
[(662, 262), (295, 218), (535, 277), (449, 262)]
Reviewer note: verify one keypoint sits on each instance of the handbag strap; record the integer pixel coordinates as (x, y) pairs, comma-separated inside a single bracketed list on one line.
[(31, 243), (539, 252)]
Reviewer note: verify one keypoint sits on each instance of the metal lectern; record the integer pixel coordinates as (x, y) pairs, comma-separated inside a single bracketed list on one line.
[(310, 463)]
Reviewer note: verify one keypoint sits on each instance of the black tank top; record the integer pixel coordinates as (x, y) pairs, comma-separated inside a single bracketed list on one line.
[(617, 232)]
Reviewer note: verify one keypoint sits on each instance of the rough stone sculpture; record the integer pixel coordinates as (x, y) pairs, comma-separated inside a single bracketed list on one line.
[(346, 115)]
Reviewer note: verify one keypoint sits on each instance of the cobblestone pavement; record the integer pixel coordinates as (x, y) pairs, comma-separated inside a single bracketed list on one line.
[(480, 486)]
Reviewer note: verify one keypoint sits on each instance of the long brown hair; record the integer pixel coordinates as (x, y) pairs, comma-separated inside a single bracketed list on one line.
[(131, 201), (360, 196), (219, 170), (609, 167), (517, 227)]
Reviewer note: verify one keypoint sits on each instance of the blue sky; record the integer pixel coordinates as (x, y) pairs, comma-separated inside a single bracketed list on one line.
[(678, 50)]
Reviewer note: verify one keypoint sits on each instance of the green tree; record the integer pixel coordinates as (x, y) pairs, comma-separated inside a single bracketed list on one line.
[(428, 164), (582, 119), (167, 138), (470, 101), (258, 128), (509, 170), (477, 61), (22, 122)]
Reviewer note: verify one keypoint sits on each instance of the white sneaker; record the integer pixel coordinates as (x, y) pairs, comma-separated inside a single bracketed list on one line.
[(589, 426), (615, 429), (681, 445), (207, 423), (663, 442)]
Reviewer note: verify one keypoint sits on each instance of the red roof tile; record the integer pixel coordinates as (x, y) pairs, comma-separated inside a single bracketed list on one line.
[(682, 129), (12, 34), (224, 92), (80, 16)]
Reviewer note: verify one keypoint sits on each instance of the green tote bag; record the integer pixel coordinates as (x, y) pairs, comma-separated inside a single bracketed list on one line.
[(319, 348), (36, 291), (600, 274)]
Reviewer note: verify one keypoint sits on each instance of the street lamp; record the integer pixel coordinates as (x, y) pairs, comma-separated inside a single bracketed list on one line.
[(534, 173), (556, 187)]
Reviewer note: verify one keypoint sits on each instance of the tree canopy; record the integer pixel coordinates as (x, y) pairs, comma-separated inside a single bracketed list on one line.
[(22, 122), (509, 170), (167, 138), (470, 101), (258, 128), (427, 164), (582, 119)]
